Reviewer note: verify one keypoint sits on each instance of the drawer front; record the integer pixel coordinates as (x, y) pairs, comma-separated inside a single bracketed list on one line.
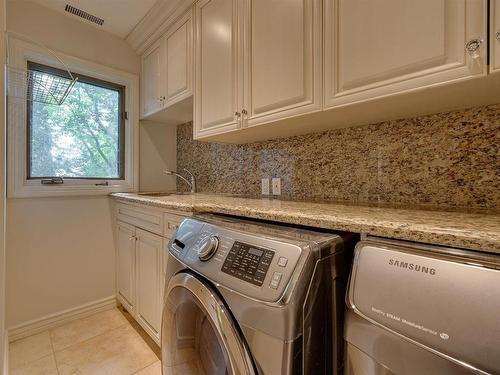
[(171, 223), (149, 220)]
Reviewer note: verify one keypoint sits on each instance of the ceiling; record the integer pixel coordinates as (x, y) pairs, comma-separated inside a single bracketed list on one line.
[(120, 16)]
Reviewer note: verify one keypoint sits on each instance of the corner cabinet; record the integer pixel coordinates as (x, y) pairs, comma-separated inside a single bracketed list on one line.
[(374, 49), (495, 36), (167, 69), (141, 237), (256, 61)]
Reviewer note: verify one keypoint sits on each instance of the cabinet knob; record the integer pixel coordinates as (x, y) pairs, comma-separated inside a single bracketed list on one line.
[(244, 111), (497, 35), (237, 114), (132, 238), (473, 47)]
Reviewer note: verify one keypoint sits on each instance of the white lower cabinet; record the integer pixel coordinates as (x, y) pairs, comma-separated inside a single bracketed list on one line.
[(125, 260), (148, 281), (141, 258)]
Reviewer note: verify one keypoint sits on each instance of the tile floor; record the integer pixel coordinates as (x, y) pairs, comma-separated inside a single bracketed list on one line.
[(107, 343)]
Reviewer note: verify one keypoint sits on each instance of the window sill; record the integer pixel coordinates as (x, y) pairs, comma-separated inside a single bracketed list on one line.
[(66, 191)]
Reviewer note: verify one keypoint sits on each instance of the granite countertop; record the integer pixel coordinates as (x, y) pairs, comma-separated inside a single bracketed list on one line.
[(474, 231)]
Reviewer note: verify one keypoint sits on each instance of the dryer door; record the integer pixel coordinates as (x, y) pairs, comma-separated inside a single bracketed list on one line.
[(199, 334)]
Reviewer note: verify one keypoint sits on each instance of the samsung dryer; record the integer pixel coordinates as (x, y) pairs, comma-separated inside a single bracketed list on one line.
[(418, 309)]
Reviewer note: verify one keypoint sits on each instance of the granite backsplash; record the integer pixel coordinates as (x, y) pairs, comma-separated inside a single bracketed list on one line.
[(446, 160)]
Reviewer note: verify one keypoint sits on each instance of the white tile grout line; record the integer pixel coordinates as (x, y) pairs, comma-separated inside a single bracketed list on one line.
[(53, 352), (152, 363)]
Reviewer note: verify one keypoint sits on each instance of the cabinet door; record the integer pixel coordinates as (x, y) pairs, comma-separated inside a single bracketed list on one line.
[(283, 59), (148, 263), (495, 36), (383, 47), (178, 57), (217, 73), (125, 253), (152, 78)]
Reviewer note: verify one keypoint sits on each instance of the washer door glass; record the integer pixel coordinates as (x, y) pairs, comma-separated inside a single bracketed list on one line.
[(199, 335)]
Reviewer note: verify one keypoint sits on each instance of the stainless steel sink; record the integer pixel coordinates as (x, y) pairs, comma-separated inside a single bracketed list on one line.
[(161, 194)]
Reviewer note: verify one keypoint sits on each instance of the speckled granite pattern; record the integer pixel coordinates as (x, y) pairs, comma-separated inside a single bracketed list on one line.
[(444, 160), (475, 231)]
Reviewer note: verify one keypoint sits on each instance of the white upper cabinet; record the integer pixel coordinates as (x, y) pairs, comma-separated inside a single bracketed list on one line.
[(495, 36), (217, 103), (257, 61), (178, 60), (282, 59), (167, 68), (152, 77), (383, 47)]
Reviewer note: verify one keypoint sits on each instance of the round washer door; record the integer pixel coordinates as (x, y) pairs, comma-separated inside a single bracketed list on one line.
[(199, 334)]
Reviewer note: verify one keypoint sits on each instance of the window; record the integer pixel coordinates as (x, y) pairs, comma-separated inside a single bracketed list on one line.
[(91, 140), (81, 139)]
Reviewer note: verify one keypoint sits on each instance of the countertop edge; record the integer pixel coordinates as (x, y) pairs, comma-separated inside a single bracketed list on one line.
[(477, 241)]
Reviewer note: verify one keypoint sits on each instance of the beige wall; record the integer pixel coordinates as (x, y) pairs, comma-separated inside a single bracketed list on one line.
[(62, 33), (60, 250), (60, 255), (3, 364), (158, 152)]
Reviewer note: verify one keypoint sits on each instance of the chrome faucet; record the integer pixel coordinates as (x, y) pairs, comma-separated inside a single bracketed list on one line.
[(192, 183)]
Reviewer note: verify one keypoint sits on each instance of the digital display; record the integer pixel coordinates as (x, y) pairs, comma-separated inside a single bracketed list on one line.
[(257, 252)]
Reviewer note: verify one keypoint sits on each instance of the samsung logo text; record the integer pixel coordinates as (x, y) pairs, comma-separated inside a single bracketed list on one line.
[(412, 266)]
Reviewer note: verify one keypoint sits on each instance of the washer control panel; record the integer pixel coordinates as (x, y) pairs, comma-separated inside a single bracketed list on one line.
[(248, 262), (258, 260)]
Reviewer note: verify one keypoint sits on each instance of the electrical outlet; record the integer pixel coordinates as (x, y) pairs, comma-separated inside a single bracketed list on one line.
[(276, 182), (265, 186)]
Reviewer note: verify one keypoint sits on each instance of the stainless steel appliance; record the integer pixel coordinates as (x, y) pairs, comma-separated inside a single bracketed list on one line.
[(248, 297), (418, 309)]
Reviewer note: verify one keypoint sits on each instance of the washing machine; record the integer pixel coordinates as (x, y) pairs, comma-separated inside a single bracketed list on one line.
[(251, 297), (418, 309)]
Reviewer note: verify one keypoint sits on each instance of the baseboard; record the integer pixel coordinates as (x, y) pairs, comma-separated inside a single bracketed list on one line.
[(53, 320)]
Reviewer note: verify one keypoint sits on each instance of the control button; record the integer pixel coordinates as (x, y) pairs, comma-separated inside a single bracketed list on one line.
[(247, 278), (282, 261), (275, 281)]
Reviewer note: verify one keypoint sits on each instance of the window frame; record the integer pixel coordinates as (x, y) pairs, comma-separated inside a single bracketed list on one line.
[(88, 80), (18, 185)]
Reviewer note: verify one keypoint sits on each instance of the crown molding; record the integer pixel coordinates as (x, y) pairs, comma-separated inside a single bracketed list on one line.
[(156, 22)]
